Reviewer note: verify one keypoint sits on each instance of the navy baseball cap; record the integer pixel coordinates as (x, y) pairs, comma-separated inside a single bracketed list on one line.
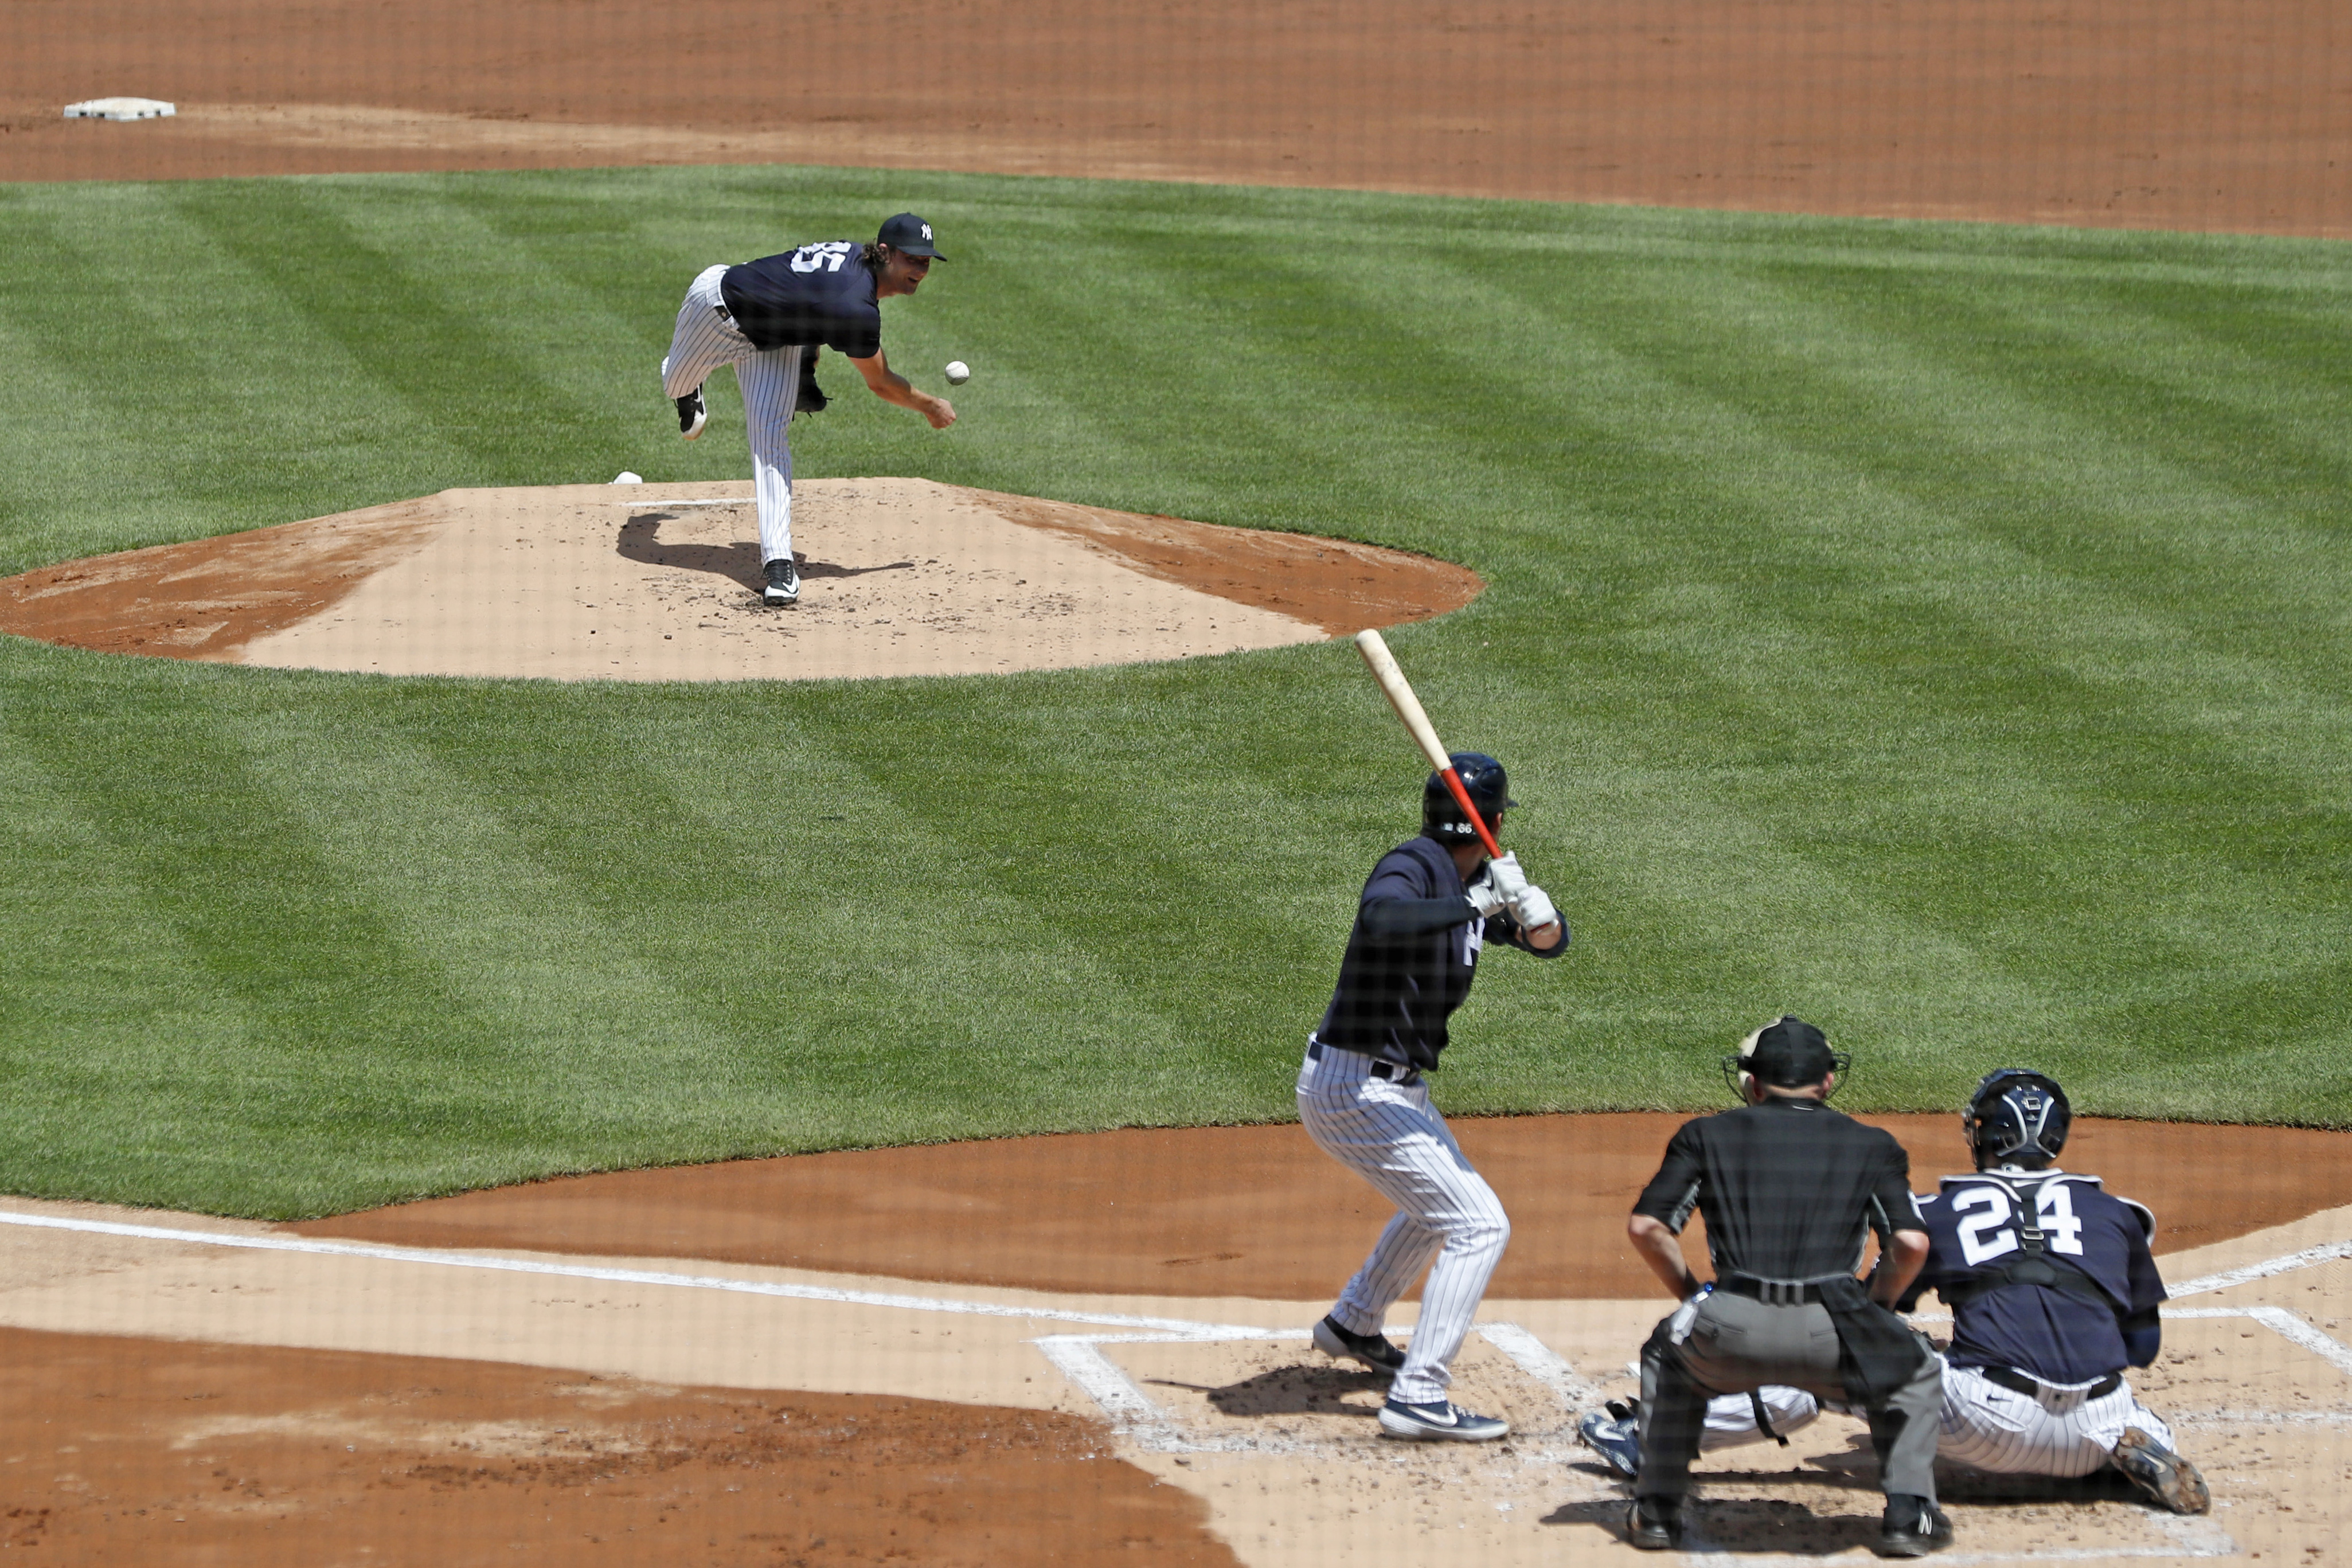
[(908, 236)]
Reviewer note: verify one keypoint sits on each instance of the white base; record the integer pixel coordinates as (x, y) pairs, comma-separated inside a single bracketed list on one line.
[(121, 109)]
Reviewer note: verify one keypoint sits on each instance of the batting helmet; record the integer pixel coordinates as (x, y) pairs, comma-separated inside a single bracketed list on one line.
[(1482, 781), (2016, 1117), (1787, 1053)]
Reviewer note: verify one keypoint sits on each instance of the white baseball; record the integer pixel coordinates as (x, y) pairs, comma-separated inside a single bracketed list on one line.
[(958, 372)]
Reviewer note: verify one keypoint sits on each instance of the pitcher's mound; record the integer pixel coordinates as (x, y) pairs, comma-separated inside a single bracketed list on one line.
[(898, 577)]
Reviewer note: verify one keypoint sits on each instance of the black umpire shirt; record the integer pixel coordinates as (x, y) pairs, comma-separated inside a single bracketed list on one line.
[(817, 295), (1787, 1188), (1411, 957)]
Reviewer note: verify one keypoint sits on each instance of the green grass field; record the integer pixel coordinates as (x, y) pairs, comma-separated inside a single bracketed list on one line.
[(1939, 631)]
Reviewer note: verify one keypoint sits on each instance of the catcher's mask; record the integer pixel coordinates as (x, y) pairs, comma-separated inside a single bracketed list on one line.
[(1787, 1053), (2016, 1117), (1483, 781)]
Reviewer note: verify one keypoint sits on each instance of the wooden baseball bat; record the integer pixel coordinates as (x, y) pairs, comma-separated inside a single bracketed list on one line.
[(1383, 664)]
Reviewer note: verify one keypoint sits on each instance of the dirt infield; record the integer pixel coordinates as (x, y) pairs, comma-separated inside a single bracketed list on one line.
[(900, 577), (517, 1390), (2159, 114), (1259, 1212), (156, 1452)]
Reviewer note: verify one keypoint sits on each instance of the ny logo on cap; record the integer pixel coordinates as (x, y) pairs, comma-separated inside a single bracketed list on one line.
[(926, 231)]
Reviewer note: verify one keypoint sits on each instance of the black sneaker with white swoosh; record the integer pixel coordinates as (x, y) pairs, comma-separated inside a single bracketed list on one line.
[(1439, 1423)]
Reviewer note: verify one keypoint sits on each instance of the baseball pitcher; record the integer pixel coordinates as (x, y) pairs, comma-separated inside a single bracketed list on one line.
[(771, 318)]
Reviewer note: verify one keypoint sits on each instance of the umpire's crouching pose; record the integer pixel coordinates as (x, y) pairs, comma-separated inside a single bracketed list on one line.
[(1788, 1187)]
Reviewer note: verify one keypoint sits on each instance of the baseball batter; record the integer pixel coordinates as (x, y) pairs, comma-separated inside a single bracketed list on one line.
[(1430, 907), (771, 318), (2053, 1293)]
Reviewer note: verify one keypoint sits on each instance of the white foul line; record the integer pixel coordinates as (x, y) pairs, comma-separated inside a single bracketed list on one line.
[(2306, 1258), (2284, 1323), (1183, 1327)]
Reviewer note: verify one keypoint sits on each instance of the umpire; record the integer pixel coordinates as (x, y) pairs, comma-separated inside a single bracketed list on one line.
[(1788, 1187)]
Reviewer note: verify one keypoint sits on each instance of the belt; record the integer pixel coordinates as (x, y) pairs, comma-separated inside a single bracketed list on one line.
[(1407, 1076), (1771, 1292), (2033, 1388)]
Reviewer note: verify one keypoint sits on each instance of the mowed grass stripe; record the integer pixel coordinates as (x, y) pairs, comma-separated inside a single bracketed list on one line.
[(397, 317), (1775, 697), (1808, 710), (827, 936), (264, 923), (101, 368)]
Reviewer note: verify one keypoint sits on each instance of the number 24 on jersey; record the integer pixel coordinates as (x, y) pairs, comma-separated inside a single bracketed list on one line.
[(1986, 1231)]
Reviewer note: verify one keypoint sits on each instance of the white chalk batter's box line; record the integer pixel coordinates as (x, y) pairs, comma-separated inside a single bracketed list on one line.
[(1080, 1358), (1529, 1353), (1135, 1418), (1131, 1413)]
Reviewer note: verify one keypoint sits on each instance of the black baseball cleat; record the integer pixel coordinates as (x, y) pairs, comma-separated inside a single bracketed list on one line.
[(783, 582), (1653, 1523), (691, 414), (1372, 1349), (1913, 1527), (2160, 1472)]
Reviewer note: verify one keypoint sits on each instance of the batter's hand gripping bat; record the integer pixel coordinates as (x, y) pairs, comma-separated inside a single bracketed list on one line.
[(1408, 706)]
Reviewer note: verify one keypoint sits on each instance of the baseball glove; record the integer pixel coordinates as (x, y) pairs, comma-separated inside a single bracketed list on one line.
[(811, 398)]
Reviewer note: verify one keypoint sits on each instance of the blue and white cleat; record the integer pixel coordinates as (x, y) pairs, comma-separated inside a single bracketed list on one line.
[(1616, 1439), (1439, 1423)]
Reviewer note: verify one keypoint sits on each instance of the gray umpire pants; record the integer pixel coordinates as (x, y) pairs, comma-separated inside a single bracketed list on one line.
[(1736, 1345)]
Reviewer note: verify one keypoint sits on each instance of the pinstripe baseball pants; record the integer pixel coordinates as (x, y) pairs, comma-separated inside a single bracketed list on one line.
[(706, 338), (1981, 1425), (1388, 1133), (2055, 1433)]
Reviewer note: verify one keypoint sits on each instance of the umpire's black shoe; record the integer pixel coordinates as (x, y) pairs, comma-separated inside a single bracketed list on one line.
[(1913, 1527), (1345, 1344), (1654, 1523), (691, 414), (783, 582)]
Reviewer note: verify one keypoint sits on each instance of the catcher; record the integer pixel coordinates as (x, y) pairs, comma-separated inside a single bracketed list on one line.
[(2053, 1293)]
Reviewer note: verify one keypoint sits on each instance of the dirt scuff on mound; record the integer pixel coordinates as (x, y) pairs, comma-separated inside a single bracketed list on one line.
[(123, 1450)]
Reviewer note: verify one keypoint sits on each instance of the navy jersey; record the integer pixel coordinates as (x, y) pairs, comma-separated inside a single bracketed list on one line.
[(2057, 1336), (1398, 987), (820, 294)]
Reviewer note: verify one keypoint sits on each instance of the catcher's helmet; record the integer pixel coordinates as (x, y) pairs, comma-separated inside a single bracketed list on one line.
[(1483, 781), (2016, 1117), (1787, 1053)]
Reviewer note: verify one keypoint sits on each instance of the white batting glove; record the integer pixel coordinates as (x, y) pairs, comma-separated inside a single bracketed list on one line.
[(1485, 899), (1508, 878), (1532, 909)]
